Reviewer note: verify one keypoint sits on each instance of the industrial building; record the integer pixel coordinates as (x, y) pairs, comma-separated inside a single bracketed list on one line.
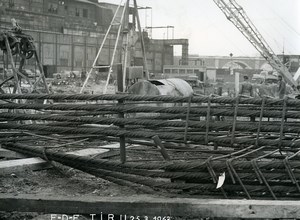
[(68, 34)]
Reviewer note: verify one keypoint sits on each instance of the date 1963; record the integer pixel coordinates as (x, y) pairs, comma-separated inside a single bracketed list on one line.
[(108, 217)]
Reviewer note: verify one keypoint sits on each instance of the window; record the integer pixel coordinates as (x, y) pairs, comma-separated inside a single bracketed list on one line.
[(190, 71), (64, 62), (167, 71), (89, 62), (85, 13), (199, 62), (78, 63), (174, 70), (11, 3), (181, 70), (77, 12), (52, 8)]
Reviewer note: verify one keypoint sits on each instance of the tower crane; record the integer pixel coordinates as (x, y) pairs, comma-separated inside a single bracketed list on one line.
[(236, 14)]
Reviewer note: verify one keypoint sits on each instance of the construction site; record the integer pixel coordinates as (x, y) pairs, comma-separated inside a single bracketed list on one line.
[(99, 120)]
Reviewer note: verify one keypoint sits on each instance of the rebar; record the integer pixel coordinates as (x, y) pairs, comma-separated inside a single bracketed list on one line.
[(221, 134)]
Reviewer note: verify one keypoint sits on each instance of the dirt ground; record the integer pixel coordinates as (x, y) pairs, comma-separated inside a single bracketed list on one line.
[(60, 180), (57, 182), (65, 181)]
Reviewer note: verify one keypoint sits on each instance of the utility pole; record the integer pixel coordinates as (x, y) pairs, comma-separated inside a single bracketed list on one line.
[(231, 63), (142, 41)]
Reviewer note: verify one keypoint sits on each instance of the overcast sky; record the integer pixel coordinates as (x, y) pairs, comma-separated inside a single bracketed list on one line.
[(210, 33)]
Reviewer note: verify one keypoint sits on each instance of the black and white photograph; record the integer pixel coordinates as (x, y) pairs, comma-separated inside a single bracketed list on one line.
[(149, 109)]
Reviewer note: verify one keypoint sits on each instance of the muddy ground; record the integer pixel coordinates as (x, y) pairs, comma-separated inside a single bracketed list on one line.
[(65, 181), (60, 180), (56, 181)]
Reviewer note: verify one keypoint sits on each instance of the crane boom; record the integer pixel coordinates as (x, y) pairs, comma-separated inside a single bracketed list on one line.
[(236, 14)]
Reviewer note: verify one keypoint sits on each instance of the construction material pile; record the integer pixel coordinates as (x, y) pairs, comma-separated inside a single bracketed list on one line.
[(253, 143)]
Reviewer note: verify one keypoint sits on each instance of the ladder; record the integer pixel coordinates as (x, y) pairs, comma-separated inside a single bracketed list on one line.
[(94, 66), (120, 25)]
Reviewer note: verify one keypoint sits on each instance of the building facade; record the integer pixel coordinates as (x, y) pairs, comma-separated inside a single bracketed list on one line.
[(68, 33)]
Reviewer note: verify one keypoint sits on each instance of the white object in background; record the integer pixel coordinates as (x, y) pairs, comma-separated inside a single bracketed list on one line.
[(221, 180), (297, 74)]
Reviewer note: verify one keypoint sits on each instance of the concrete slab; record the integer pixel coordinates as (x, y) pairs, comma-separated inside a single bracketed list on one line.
[(20, 165)]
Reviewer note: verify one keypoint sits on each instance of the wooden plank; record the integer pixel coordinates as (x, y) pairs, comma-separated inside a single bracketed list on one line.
[(10, 154), (114, 145), (93, 151), (20, 165), (13, 166), (147, 206), (108, 154)]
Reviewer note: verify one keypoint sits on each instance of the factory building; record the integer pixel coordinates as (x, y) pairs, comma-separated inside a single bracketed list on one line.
[(68, 34)]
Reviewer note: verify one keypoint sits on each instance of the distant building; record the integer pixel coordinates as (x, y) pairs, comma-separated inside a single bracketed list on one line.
[(184, 71), (223, 67)]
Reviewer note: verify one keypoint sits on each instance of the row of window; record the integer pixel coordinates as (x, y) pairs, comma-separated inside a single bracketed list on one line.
[(181, 70), (53, 8), (197, 62), (84, 12)]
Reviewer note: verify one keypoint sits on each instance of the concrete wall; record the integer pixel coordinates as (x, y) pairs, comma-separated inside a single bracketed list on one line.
[(69, 52), (158, 54)]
